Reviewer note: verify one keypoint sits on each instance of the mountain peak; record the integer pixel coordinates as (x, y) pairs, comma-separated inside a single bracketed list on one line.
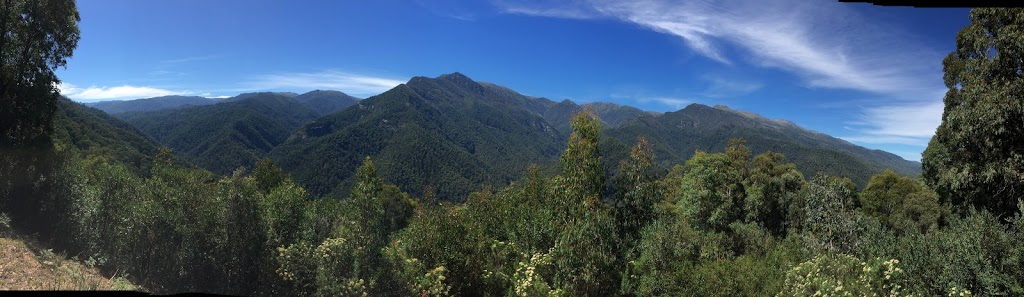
[(326, 101), (318, 91), (323, 93), (462, 81), (455, 77), (244, 96), (453, 83)]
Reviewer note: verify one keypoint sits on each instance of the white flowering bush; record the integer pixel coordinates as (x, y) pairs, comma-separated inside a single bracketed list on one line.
[(337, 268), (415, 274), (532, 277), (298, 267), (959, 292), (844, 275), (328, 269)]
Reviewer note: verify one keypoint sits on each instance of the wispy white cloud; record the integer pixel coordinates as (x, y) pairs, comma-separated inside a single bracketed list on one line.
[(189, 59), (675, 103), (911, 124), (551, 12), (571, 9), (826, 45), (720, 87), (912, 155), (354, 84), (454, 9), (210, 95), (641, 96), (113, 93)]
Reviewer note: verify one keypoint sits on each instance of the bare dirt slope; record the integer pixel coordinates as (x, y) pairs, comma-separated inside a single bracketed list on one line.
[(25, 268)]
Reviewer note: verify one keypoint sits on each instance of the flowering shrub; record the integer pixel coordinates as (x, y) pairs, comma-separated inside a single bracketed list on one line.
[(962, 292), (844, 275), (414, 272), (329, 269), (529, 278)]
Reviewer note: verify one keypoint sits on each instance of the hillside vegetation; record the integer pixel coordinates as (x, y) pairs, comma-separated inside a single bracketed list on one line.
[(612, 215), (752, 224), (224, 136), (151, 104), (452, 135), (449, 133), (32, 269), (97, 134)]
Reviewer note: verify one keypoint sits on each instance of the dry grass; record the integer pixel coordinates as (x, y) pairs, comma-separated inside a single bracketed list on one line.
[(25, 268)]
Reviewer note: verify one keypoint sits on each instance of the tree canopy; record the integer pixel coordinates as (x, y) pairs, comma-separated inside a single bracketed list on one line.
[(38, 37), (977, 154)]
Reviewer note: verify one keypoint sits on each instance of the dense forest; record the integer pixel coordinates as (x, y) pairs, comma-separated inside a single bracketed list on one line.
[(450, 134), (726, 222)]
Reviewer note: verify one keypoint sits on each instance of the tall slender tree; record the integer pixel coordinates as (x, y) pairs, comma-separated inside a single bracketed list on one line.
[(977, 155), (38, 37)]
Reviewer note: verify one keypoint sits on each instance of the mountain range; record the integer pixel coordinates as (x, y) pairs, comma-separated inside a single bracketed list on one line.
[(451, 135), (94, 132)]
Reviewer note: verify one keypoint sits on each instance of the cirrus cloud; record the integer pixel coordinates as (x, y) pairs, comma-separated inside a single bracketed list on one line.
[(354, 84), (125, 92), (825, 45)]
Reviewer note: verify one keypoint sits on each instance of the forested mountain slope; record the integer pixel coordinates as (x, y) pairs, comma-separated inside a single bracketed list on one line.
[(677, 135), (227, 135), (453, 134), (325, 102), (151, 104), (449, 133), (94, 132), (559, 113)]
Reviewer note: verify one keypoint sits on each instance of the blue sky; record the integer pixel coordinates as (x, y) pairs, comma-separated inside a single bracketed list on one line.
[(870, 75)]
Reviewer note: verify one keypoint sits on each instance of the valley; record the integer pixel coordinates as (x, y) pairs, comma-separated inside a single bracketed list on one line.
[(455, 135)]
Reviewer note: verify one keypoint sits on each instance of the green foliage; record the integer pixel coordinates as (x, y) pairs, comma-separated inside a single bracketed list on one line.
[(772, 189), (326, 102), (38, 38), (674, 259), (224, 136), (665, 252), (95, 133), (713, 193), (286, 214), (268, 176), (449, 132), (581, 162), (328, 269), (5, 221), (830, 221), (419, 280), (636, 191), (676, 136), (438, 238), (244, 227), (350, 260), (585, 255), (150, 104), (975, 252), (977, 155), (844, 275), (584, 251), (725, 224), (900, 202)]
